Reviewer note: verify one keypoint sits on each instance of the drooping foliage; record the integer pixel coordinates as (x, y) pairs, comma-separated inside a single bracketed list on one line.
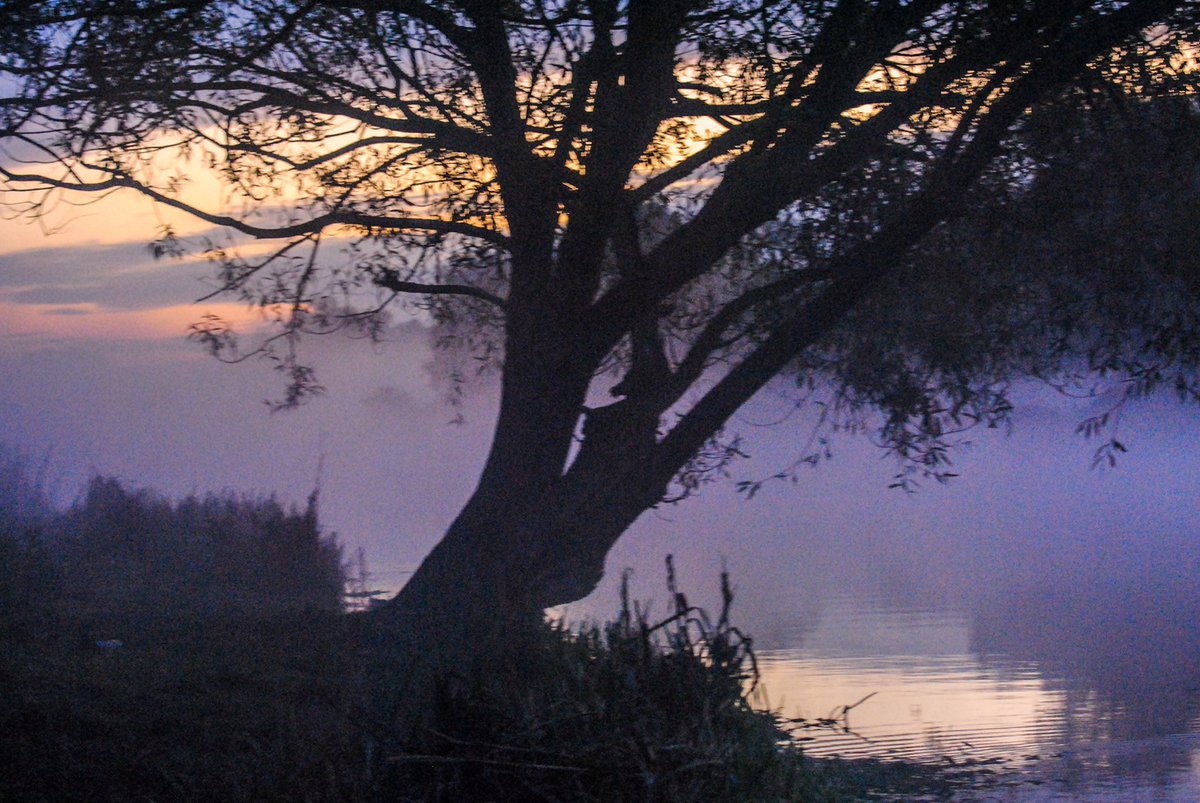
[(1072, 262), (644, 213)]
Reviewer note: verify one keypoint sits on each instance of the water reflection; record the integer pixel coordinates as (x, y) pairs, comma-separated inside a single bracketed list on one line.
[(1134, 650), (1073, 660), (1084, 687), (1034, 610), (1123, 657)]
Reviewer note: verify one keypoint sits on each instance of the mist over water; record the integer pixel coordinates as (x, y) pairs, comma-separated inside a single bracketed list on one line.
[(1027, 511), (1036, 612)]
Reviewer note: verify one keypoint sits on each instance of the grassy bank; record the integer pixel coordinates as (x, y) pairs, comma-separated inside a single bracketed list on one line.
[(265, 709), (199, 651)]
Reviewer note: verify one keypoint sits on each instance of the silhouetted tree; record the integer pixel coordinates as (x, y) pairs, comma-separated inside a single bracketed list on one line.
[(701, 196)]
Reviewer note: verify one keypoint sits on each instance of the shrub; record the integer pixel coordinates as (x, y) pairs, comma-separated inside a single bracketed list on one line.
[(625, 711), (133, 553), (29, 578), (120, 555)]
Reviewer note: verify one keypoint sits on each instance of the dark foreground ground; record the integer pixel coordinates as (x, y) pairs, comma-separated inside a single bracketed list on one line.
[(195, 650), (265, 709)]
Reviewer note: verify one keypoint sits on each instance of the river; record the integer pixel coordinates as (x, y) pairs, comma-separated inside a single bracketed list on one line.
[(1064, 694), (1036, 620)]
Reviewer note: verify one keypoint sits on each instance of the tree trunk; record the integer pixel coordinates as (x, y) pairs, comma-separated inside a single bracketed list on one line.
[(532, 536), (484, 585)]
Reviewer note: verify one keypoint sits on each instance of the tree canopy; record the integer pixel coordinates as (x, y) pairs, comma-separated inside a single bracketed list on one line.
[(645, 212)]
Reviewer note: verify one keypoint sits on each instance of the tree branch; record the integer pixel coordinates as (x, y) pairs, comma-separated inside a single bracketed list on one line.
[(390, 280), (448, 134), (866, 265), (709, 340), (319, 223), (633, 87), (433, 16), (757, 186)]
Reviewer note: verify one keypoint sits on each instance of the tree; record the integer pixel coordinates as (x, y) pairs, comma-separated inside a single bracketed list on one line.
[(694, 198)]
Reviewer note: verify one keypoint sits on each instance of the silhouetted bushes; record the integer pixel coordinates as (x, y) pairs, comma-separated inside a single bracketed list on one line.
[(238, 678), (216, 555), (270, 710), (120, 556), (629, 710), (30, 581)]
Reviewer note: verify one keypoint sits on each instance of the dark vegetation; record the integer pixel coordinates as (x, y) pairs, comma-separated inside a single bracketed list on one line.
[(704, 199), (198, 650), (118, 555), (642, 215)]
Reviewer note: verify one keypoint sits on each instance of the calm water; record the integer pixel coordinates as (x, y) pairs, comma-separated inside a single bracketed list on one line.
[(1060, 651), (1064, 678), (1036, 617), (1094, 698)]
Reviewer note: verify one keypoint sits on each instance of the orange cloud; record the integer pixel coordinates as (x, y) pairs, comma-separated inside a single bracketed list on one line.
[(92, 322)]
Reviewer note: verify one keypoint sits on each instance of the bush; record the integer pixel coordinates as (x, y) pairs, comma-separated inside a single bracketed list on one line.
[(29, 578), (625, 711), (238, 677), (119, 556), (270, 710), (135, 554), (24, 500)]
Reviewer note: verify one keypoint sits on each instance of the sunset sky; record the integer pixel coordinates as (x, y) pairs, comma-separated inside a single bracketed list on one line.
[(98, 377)]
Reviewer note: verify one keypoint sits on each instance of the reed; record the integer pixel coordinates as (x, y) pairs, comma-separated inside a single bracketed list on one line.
[(628, 710)]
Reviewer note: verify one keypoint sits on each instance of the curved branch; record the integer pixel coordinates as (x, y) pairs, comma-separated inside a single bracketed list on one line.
[(206, 95), (316, 224), (865, 266), (757, 186), (448, 134), (694, 107), (437, 18), (329, 156), (390, 280), (709, 340), (715, 148)]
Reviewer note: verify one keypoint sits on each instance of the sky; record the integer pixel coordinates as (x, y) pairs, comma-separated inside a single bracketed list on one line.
[(97, 377)]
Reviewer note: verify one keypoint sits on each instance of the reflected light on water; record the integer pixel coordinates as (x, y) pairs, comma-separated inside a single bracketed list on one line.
[(1036, 614), (925, 704), (935, 696)]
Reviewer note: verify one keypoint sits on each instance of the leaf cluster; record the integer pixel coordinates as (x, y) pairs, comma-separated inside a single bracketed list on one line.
[(1072, 263)]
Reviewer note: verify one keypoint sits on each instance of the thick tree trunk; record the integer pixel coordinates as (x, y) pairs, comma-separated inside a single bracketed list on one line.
[(532, 536), (455, 609), (501, 562)]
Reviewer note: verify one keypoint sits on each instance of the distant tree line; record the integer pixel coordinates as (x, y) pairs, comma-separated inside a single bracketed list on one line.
[(119, 555)]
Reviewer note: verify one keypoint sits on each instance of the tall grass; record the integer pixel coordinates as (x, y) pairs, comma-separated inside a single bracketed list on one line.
[(628, 710)]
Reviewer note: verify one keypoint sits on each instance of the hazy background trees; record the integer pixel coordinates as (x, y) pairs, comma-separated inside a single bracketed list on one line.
[(116, 556)]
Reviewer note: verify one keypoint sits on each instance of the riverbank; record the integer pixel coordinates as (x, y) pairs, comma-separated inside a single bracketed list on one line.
[(242, 708)]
